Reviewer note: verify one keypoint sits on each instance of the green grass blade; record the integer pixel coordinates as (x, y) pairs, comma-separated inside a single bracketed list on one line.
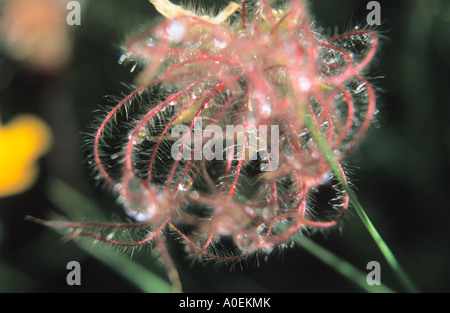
[(69, 200), (384, 248), (134, 272), (341, 266)]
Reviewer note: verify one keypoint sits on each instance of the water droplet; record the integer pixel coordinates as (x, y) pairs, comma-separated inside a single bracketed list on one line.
[(118, 187), (325, 68), (260, 228), (266, 109), (173, 100), (185, 183), (242, 237), (195, 195), (114, 156), (110, 236), (360, 88), (176, 31), (140, 213), (142, 136), (268, 197), (133, 68), (326, 176), (194, 96), (304, 83), (220, 44), (209, 104), (124, 56)]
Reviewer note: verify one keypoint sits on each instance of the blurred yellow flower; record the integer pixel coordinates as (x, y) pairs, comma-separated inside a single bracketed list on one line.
[(36, 32), (22, 142)]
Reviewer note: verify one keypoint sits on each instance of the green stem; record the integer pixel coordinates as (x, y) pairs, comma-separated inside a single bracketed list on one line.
[(385, 250)]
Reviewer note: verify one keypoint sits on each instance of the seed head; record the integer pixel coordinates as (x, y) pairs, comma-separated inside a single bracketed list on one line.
[(262, 70)]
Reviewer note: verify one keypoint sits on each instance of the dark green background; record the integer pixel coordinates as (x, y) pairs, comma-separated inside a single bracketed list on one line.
[(400, 171)]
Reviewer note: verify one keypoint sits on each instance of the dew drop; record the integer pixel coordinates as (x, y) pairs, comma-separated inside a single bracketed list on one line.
[(208, 104), (139, 213), (325, 68), (326, 176), (173, 100), (304, 83), (195, 195), (135, 212), (242, 237), (185, 183), (268, 198), (260, 228), (219, 44), (118, 187), (114, 156), (142, 136), (266, 109), (124, 56), (176, 31), (360, 88)]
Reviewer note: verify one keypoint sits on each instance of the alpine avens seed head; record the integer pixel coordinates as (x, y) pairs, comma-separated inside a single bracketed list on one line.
[(213, 144)]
